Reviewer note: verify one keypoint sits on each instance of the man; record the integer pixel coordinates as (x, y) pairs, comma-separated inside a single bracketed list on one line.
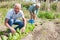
[(34, 10), (13, 15)]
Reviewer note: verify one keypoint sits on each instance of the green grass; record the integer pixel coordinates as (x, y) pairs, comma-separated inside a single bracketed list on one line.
[(46, 15), (3, 12)]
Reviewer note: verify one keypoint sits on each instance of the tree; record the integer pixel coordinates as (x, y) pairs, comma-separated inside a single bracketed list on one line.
[(48, 5)]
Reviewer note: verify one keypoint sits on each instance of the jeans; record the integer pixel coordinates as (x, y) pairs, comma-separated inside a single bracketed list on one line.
[(16, 22)]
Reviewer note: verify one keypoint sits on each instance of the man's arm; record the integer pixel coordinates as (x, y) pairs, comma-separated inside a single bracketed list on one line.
[(36, 11), (24, 20), (6, 23)]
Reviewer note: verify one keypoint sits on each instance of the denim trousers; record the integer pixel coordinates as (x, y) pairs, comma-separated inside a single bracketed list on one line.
[(16, 22)]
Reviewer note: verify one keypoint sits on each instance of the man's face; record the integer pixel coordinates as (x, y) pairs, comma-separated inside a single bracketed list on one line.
[(16, 9)]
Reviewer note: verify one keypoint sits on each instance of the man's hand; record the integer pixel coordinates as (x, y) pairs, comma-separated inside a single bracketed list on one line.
[(12, 30), (23, 29), (6, 23)]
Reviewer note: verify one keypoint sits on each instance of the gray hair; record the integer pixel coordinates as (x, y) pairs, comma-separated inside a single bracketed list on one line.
[(17, 4)]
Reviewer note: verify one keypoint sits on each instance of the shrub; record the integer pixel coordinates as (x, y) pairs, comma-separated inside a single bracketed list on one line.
[(54, 6), (6, 4), (41, 14), (57, 15), (46, 14), (26, 5), (49, 15), (43, 5)]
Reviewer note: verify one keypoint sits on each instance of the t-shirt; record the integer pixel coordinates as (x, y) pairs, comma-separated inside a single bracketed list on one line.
[(33, 8), (11, 14)]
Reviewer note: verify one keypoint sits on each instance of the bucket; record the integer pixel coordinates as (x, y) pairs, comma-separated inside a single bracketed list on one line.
[(31, 21)]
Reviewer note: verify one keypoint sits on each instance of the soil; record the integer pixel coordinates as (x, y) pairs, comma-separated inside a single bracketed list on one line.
[(45, 30), (49, 30)]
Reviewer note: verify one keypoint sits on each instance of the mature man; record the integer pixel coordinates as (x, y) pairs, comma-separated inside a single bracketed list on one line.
[(34, 10), (12, 18)]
